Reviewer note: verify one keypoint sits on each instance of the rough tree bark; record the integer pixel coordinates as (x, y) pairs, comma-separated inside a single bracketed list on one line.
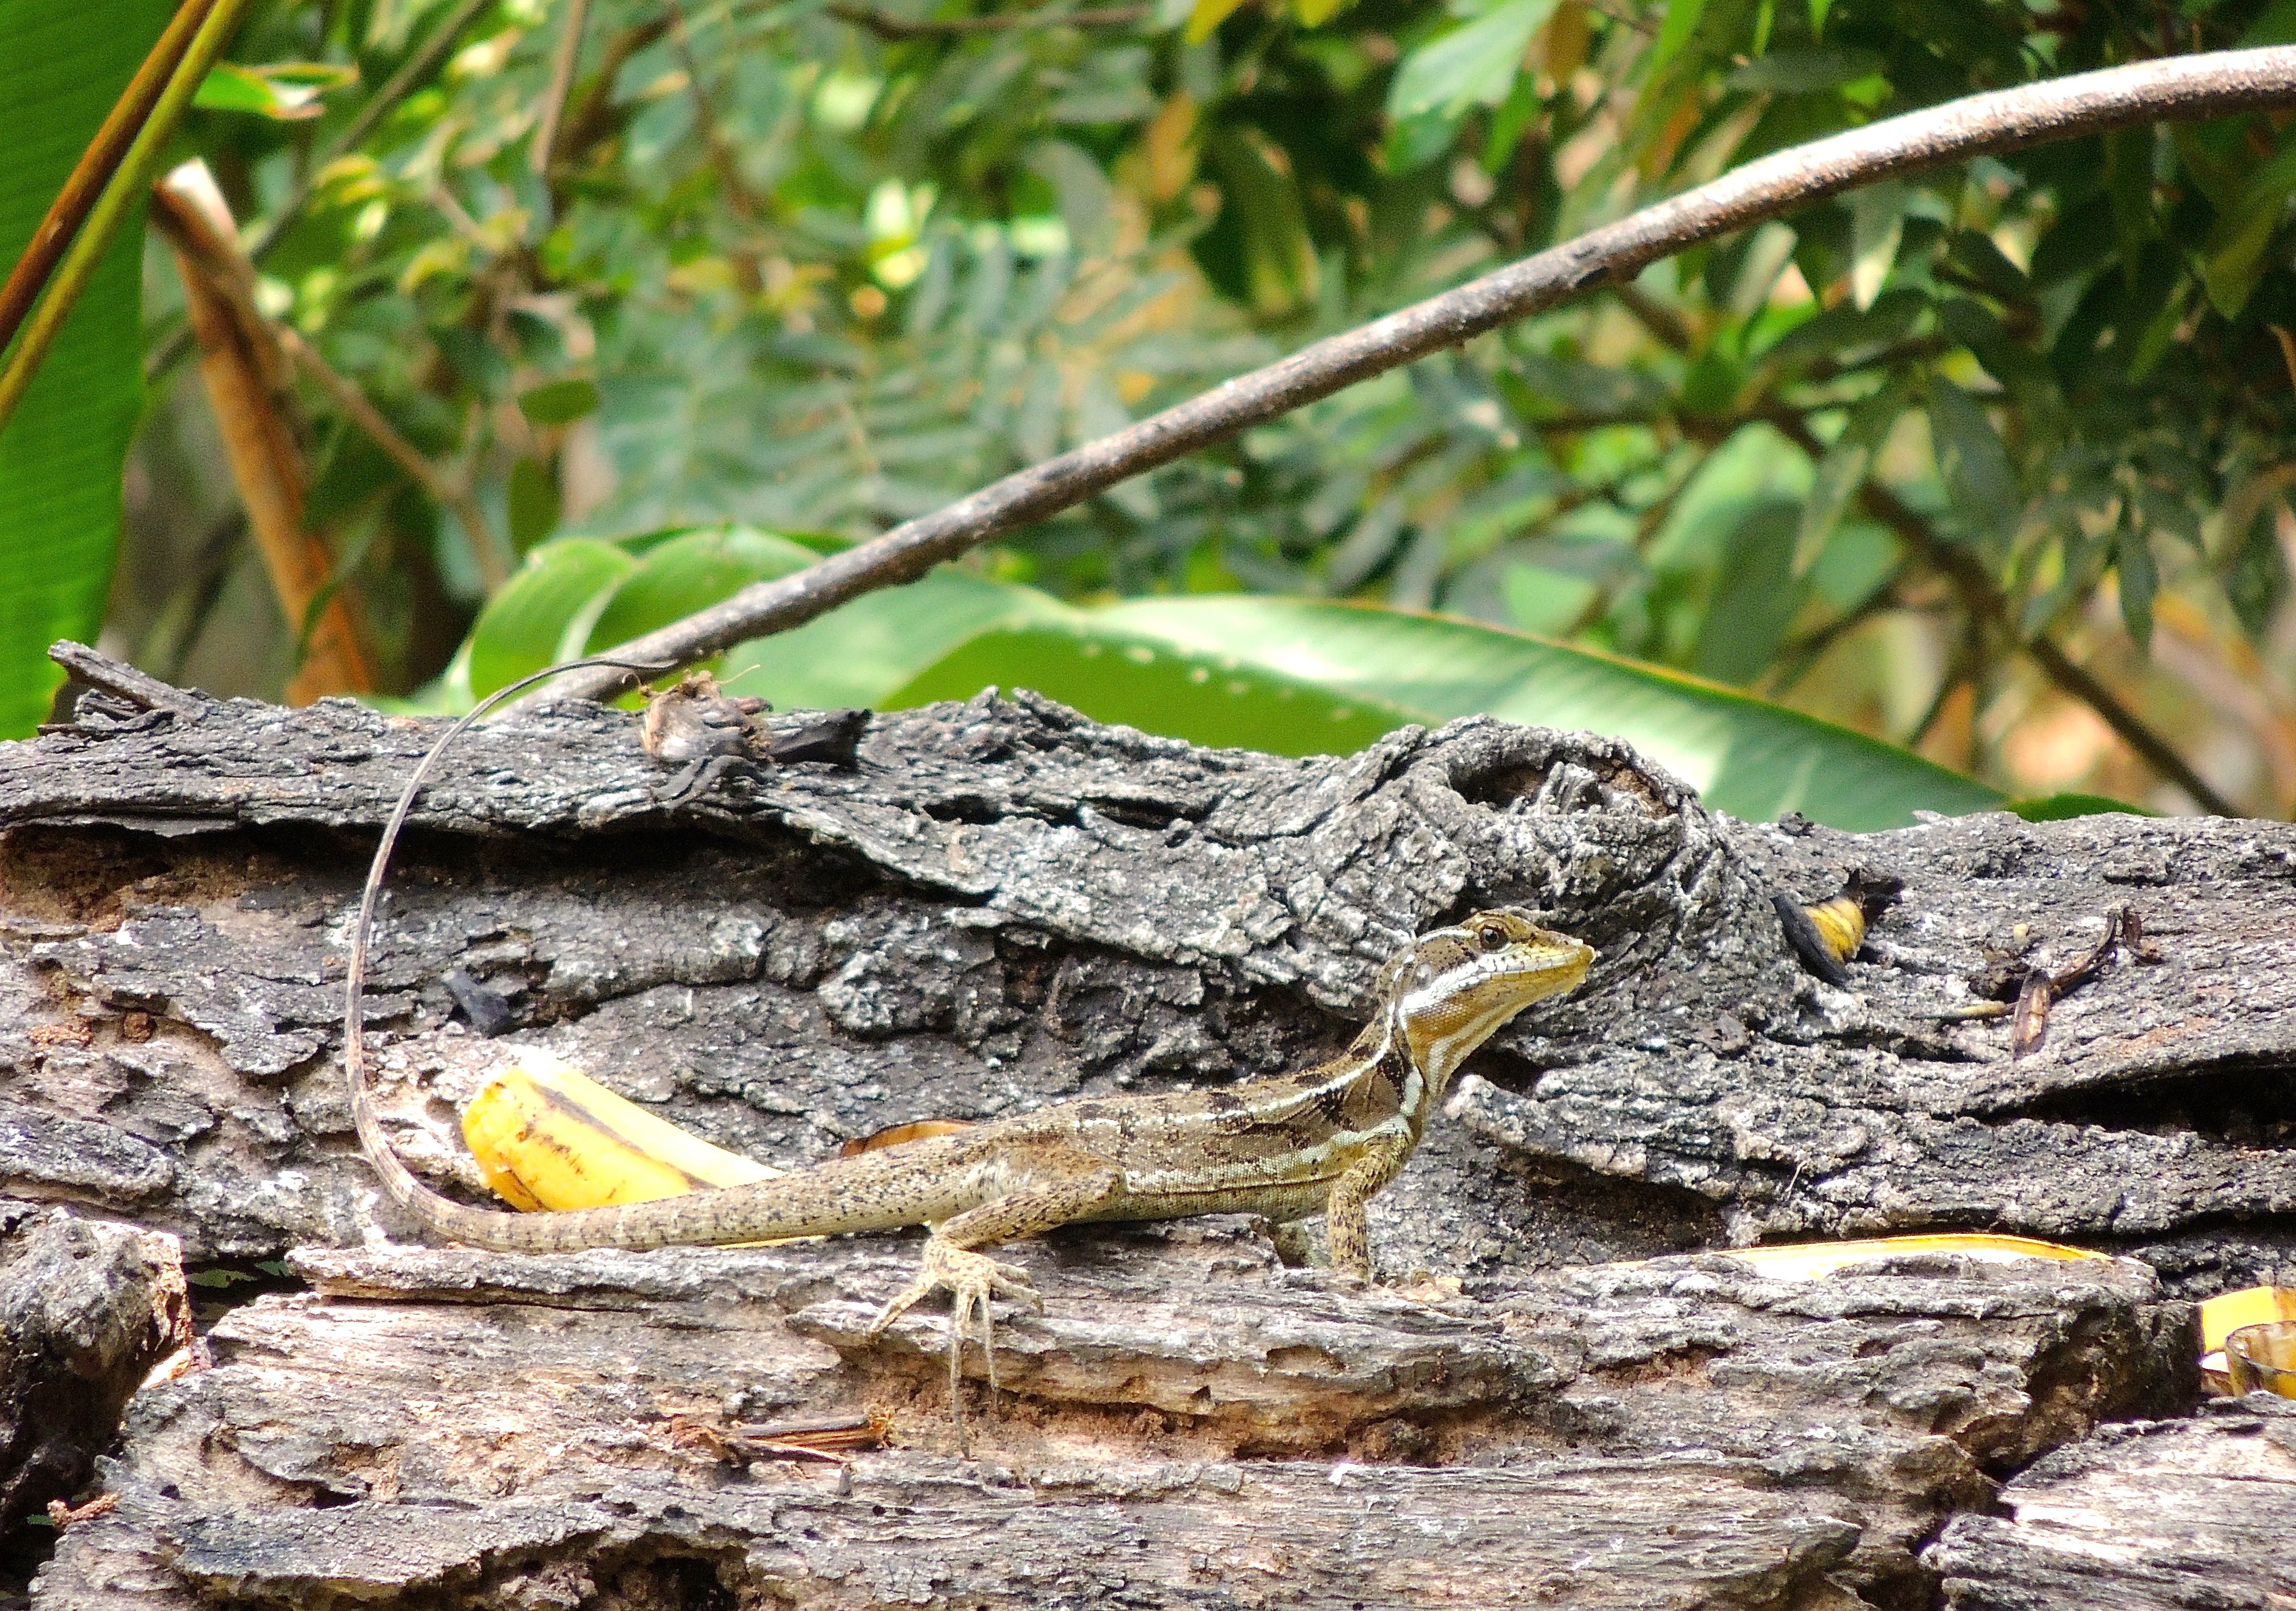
[(1004, 904)]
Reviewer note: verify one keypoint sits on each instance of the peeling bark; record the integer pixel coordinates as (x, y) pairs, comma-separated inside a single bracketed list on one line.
[(1003, 905), (2173, 1514), (86, 1311)]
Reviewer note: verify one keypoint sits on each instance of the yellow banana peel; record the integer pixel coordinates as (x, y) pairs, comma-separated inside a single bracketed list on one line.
[(2228, 1312), (548, 1136), (1810, 1260)]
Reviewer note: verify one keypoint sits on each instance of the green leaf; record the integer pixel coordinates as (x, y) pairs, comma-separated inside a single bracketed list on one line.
[(1681, 21), (1754, 598), (2276, 24), (1843, 471), (544, 614), (688, 573), (2060, 808), (1263, 203), (1975, 465), (559, 402), (2232, 259), (1800, 71), (859, 654), (1205, 18), (1474, 64), (1147, 681), (532, 496), (60, 454), (1975, 253), (1877, 223), (2139, 581), (1299, 677), (2128, 184), (286, 92), (2257, 581), (1086, 198)]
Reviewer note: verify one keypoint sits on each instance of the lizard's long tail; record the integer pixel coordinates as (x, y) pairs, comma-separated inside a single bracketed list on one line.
[(863, 1193), (873, 1191)]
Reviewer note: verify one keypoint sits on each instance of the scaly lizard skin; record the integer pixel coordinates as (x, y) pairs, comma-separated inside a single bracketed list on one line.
[(1326, 1140)]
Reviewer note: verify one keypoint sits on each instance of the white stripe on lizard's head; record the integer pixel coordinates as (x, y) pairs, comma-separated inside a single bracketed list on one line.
[(1453, 989)]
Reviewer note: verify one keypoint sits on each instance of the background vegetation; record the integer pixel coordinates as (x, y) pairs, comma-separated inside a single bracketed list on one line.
[(598, 308)]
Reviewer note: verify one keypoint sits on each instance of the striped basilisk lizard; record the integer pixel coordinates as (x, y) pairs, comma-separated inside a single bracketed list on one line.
[(1325, 1139)]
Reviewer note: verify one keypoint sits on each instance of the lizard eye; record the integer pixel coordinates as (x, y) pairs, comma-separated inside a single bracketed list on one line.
[(1492, 936)]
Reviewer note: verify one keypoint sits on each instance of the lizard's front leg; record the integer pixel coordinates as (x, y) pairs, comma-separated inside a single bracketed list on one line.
[(1344, 1219), (1059, 1184)]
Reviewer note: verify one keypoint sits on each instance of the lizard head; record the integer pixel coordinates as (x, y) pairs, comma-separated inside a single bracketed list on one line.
[(1453, 989)]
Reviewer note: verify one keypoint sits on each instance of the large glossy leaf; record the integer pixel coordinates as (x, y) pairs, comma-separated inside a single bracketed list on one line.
[(1150, 681), (688, 572), (862, 652), (61, 65), (1302, 678), (544, 614)]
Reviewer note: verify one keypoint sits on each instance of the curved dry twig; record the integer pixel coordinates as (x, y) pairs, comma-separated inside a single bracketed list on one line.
[(2182, 87)]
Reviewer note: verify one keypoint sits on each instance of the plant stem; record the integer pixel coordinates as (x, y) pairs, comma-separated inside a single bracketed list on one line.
[(96, 167), (446, 490), (126, 190)]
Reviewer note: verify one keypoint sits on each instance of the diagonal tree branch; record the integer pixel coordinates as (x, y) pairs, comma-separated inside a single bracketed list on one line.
[(2185, 88)]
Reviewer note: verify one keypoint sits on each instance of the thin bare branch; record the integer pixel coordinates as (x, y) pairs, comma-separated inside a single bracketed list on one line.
[(562, 85), (2183, 87), (448, 491)]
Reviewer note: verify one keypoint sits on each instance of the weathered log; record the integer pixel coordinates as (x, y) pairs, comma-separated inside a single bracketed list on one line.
[(2180, 1514), (1003, 904), (86, 1311), (1187, 1423)]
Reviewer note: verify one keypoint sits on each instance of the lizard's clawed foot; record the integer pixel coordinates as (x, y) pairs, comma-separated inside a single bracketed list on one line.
[(972, 1278)]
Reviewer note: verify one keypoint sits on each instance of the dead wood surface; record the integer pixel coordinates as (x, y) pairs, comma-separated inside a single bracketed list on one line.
[(86, 1311), (1187, 1424), (1004, 904), (2179, 1514)]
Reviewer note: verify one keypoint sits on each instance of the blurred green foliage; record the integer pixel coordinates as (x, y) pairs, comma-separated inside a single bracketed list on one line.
[(811, 266), (60, 453)]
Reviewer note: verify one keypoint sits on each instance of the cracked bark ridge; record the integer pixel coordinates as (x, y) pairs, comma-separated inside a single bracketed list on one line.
[(2149, 1518), (1003, 904), (86, 1311), (1006, 904), (1189, 1423)]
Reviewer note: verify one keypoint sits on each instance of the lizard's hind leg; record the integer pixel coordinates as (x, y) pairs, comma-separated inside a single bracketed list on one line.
[(1062, 1184)]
